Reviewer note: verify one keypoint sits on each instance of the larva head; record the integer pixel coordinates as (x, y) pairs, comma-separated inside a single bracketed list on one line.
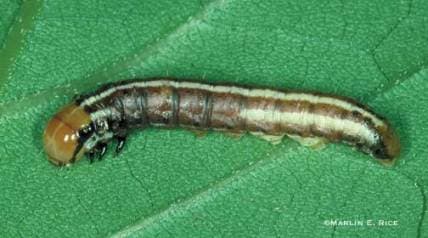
[(62, 137)]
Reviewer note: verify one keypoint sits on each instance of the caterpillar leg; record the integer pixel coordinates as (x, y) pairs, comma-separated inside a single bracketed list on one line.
[(91, 156), (120, 143), (102, 149), (99, 151), (316, 143), (274, 139)]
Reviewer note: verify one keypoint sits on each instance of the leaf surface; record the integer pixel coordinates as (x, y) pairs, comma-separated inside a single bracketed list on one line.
[(169, 183)]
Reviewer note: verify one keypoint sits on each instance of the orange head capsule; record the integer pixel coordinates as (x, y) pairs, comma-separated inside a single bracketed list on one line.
[(61, 138)]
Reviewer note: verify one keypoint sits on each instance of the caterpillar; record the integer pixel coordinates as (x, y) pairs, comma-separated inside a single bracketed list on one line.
[(92, 120)]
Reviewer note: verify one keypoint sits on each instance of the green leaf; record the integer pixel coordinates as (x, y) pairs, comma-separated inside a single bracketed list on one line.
[(169, 183)]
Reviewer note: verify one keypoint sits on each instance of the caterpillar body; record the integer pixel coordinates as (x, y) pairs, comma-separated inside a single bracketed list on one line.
[(86, 125)]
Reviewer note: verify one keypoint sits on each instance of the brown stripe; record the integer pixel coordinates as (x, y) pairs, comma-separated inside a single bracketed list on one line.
[(159, 105), (268, 104), (225, 112), (175, 97), (191, 107), (143, 102), (208, 109)]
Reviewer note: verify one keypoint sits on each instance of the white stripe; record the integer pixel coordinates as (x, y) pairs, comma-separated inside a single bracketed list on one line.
[(266, 93), (103, 113), (348, 127)]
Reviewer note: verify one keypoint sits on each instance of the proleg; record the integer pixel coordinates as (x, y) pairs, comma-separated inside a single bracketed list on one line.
[(89, 123)]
